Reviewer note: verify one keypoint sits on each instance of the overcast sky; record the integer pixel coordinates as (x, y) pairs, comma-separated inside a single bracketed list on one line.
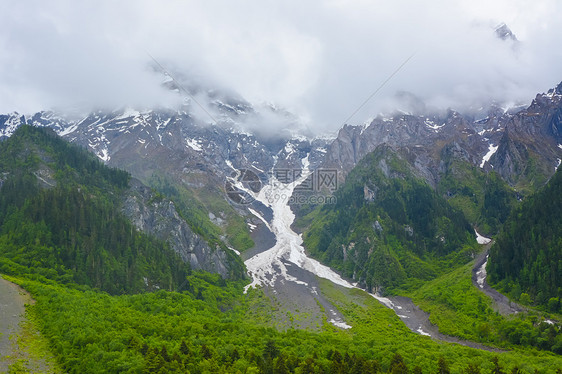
[(319, 59)]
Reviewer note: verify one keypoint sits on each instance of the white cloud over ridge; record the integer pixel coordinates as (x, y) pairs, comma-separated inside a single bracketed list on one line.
[(320, 59)]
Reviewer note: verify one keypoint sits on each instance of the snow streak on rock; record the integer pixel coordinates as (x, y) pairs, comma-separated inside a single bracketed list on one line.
[(261, 218), (491, 150), (11, 125), (194, 144), (432, 125), (69, 130)]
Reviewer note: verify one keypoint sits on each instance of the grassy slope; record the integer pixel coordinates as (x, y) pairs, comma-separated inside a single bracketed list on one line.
[(458, 308)]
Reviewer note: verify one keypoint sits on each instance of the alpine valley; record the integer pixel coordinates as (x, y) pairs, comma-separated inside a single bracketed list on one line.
[(191, 240)]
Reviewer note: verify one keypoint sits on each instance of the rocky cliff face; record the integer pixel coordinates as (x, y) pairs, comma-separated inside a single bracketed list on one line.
[(403, 130), (202, 155), (158, 216), (529, 151)]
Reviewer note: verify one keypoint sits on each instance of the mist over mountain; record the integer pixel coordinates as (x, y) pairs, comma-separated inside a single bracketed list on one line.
[(318, 60)]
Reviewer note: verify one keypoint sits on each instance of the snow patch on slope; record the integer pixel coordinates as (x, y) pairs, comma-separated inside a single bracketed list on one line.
[(234, 250), (482, 239), (229, 163), (432, 125), (103, 155), (491, 150), (193, 144), (421, 332), (340, 324), (163, 125), (289, 149), (69, 130)]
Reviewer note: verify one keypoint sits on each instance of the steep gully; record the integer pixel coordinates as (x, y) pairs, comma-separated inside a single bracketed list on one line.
[(288, 274), (501, 303)]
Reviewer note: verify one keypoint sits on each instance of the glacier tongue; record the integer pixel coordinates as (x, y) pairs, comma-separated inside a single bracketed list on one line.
[(269, 268), (266, 267)]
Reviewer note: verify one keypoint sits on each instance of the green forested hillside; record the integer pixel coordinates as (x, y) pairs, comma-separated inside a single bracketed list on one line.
[(208, 328), (388, 227), (483, 196), (526, 260), (60, 217)]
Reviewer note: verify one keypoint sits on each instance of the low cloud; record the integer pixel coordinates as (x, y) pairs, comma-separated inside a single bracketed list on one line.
[(318, 59)]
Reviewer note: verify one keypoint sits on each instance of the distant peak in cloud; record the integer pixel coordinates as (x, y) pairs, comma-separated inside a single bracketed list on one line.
[(504, 32)]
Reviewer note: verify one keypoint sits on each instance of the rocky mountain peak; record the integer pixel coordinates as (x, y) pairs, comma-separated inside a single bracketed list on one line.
[(558, 89), (504, 32)]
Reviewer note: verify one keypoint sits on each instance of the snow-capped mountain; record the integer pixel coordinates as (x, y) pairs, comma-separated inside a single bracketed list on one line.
[(200, 154), (504, 139)]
